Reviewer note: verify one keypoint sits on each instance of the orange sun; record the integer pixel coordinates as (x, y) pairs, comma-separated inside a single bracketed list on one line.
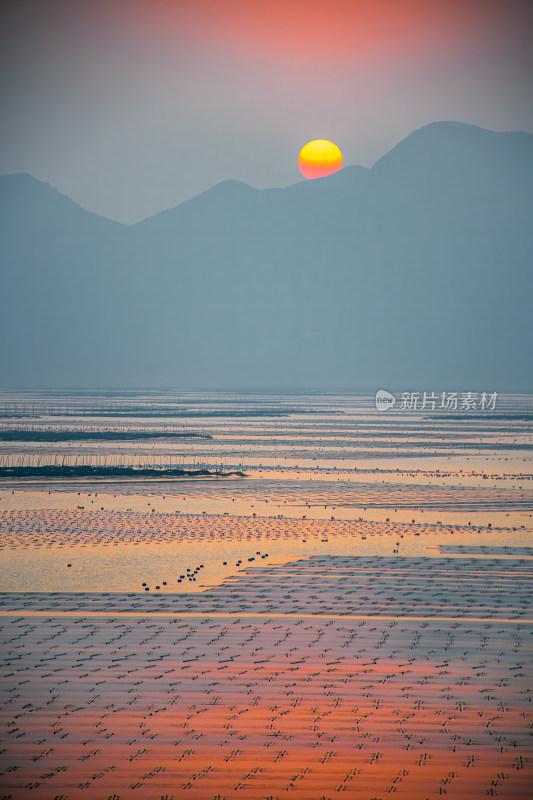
[(319, 158)]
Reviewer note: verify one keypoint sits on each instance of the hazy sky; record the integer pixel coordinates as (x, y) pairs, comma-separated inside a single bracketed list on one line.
[(132, 106)]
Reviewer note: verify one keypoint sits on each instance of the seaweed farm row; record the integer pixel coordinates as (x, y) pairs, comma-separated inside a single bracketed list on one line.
[(320, 601)]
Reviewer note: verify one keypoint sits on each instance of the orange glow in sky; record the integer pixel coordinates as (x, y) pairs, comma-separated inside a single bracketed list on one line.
[(317, 31)]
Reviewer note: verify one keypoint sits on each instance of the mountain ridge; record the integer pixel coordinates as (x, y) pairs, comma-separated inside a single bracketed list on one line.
[(466, 132), (367, 277)]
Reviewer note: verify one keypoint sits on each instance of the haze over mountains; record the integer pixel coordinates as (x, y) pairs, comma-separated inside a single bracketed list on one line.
[(413, 275)]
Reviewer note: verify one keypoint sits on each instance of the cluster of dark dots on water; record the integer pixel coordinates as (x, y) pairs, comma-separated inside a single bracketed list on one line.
[(190, 574)]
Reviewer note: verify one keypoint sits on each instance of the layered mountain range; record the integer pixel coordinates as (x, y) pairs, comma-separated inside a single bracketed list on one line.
[(415, 274)]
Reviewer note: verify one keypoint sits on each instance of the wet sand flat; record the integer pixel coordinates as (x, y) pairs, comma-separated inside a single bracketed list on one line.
[(353, 618), (238, 705), (446, 587)]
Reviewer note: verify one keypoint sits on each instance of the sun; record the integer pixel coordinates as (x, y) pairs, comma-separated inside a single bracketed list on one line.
[(319, 158)]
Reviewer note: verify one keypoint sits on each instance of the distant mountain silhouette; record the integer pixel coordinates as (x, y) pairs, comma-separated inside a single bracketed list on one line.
[(28, 206), (415, 275)]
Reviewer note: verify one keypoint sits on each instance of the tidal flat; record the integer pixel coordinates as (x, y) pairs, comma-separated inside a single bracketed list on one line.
[(350, 617)]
